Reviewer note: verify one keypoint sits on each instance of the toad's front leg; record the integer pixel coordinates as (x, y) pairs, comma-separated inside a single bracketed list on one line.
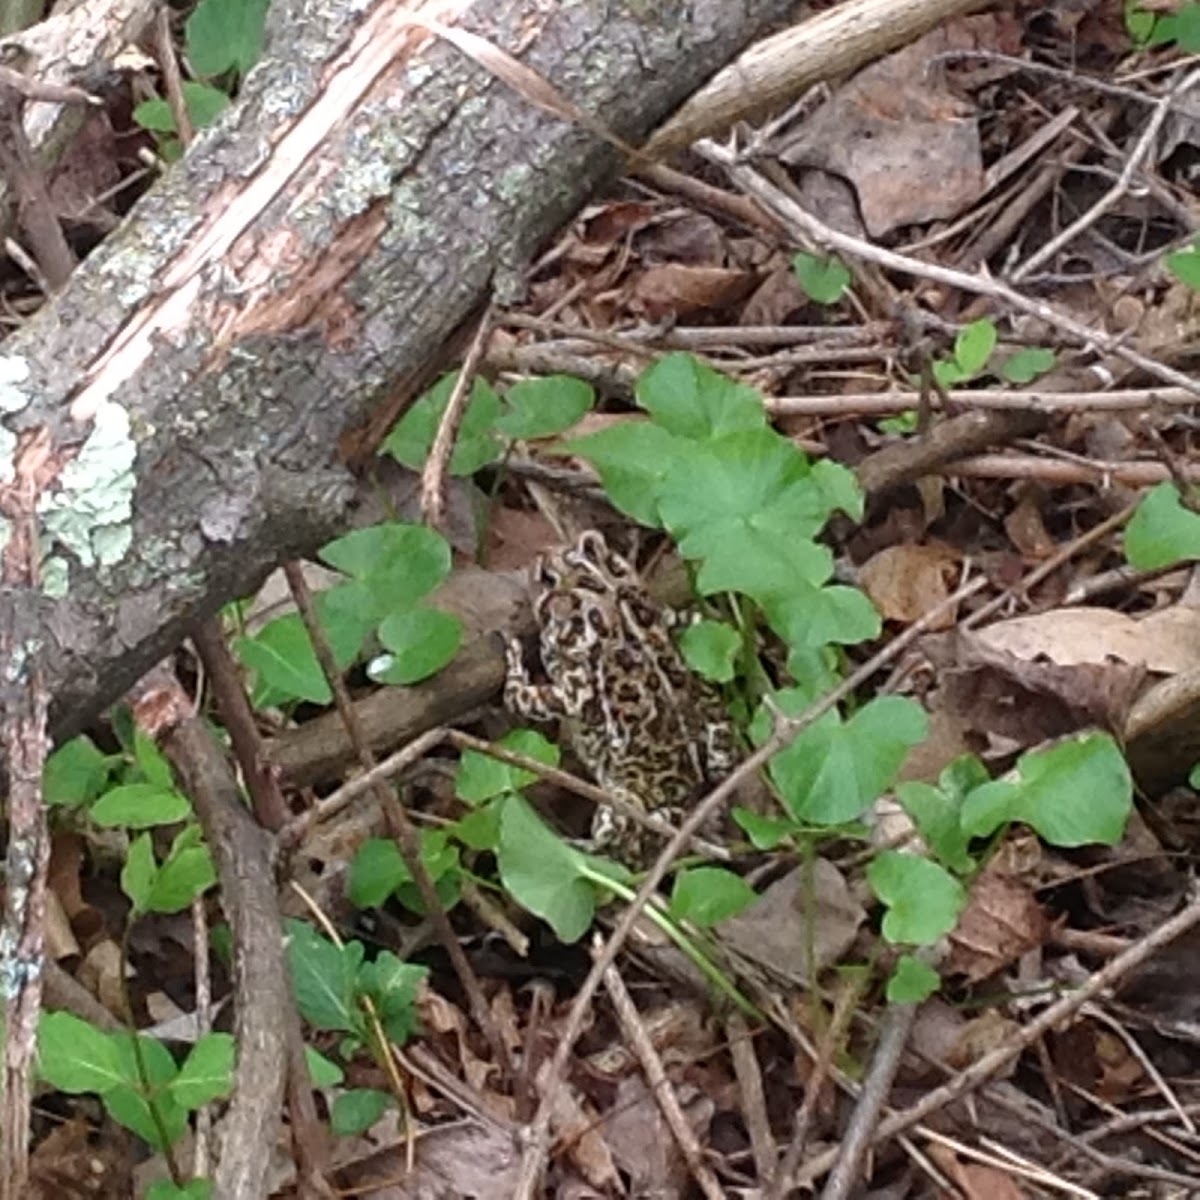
[(537, 701)]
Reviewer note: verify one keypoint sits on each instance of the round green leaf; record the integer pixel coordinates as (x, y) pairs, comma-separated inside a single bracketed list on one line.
[(538, 408), (710, 649), (708, 895), (688, 398), (140, 806), (1162, 532), (923, 899), (912, 981), (824, 280), (476, 445), (421, 642)]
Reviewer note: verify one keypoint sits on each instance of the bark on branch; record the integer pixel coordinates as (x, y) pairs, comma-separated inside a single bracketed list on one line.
[(297, 279)]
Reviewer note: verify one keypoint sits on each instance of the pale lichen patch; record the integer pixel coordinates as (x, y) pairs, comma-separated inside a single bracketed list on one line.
[(14, 371), (90, 510)]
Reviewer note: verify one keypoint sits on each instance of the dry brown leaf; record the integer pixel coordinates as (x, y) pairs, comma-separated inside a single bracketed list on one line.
[(995, 692), (906, 581), (676, 289), (803, 908), (975, 1181), (1001, 922), (1166, 641), (1027, 531)]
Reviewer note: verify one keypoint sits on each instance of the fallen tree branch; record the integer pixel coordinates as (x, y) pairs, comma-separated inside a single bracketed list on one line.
[(311, 258)]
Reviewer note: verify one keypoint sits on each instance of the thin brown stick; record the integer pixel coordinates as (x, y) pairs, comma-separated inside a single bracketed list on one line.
[(1124, 181), (270, 808), (399, 823), (437, 465), (640, 1042), (753, 1098), (844, 1178), (537, 1136), (882, 404), (172, 80)]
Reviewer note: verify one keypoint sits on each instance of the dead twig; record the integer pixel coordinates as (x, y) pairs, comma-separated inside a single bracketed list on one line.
[(437, 465), (640, 1042), (1133, 164)]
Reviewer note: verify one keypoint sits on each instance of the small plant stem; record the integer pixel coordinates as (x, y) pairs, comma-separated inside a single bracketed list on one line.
[(139, 1056), (694, 953)]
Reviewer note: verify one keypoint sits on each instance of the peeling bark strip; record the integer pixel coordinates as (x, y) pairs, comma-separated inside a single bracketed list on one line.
[(311, 257)]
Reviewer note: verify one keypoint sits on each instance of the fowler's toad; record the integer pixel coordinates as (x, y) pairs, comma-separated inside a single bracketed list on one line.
[(649, 730)]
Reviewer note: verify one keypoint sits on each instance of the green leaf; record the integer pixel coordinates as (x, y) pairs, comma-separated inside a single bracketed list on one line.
[(207, 1072), (1075, 793), (974, 345), (324, 976), (225, 35), (1184, 27), (834, 771), (140, 806), (130, 1103), (1026, 364), (1162, 532), (538, 408), (421, 642), (936, 816), (378, 868), (139, 872), (74, 1056), (322, 1071), (688, 398), (824, 280), (151, 762), (76, 772), (1185, 266), (194, 1189), (711, 648), (357, 1109), (708, 895), (948, 373), (633, 459), (542, 873), (282, 656), (1194, 777), (480, 777), (186, 872), (477, 444), (923, 899), (912, 981), (394, 986), (808, 618), (745, 498), (765, 833), (479, 829), (901, 424), (204, 105), (399, 563)]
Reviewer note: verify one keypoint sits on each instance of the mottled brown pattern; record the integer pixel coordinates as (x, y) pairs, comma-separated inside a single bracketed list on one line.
[(648, 729)]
